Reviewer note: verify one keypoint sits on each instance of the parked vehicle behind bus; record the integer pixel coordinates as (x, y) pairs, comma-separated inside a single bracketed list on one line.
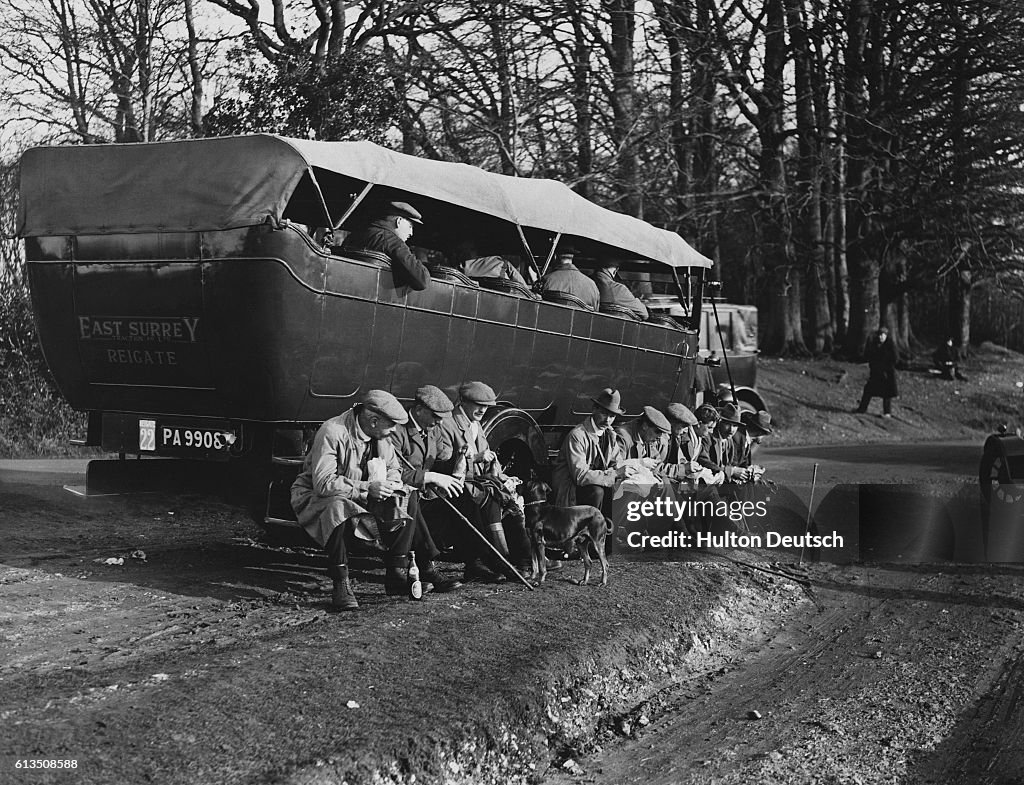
[(185, 299)]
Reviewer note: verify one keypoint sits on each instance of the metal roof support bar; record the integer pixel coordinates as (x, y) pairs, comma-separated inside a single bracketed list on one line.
[(551, 254), (352, 207)]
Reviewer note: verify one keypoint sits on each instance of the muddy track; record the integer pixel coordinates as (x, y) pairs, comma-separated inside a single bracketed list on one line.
[(909, 675)]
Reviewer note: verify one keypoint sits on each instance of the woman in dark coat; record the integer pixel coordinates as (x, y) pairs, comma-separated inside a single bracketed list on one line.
[(881, 357)]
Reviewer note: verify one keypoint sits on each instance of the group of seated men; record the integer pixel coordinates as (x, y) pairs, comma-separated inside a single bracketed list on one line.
[(715, 445), (379, 473), (391, 231)]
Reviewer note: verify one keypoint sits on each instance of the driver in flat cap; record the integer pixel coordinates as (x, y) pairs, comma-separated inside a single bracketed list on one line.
[(334, 488), (390, 234)]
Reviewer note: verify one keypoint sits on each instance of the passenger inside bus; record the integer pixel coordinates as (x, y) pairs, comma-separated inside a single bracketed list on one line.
[(565, 283), (476, 265), (616, 298), (389, 234)]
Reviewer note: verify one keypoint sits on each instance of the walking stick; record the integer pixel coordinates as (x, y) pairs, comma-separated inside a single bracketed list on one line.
[(810, 506), (473, 528)]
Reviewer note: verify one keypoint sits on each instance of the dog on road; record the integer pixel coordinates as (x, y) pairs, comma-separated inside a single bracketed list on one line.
[(547, 524)]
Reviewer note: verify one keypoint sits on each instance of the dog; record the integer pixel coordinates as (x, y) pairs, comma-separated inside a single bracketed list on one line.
[(582, 525)]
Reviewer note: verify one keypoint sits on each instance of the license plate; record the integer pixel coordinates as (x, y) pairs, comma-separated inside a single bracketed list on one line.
[(181, 438)]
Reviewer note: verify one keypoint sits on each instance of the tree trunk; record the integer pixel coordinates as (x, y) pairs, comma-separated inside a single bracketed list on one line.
[(622, 15), (581, 83), (960, 285)]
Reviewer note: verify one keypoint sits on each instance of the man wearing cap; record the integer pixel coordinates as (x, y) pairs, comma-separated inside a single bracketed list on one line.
[(646, 436), (756, 425), (587, 466), (484, 500), (417, 442), (334, 486), (390, 234), (684, 443), (615, 293), (564, 276), (720, 448)]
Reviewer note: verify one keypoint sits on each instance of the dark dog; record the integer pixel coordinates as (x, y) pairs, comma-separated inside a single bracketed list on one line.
[(547, 524)]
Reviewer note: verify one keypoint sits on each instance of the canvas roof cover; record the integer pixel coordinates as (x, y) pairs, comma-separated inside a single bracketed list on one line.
[(231, 182)]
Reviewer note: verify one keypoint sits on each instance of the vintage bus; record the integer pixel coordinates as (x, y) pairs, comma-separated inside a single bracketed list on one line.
[(185, 298)]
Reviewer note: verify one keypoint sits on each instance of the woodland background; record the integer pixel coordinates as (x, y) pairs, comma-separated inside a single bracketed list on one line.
[(847, 164)]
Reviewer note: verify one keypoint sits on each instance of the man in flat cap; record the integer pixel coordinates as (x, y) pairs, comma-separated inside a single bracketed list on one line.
[(390, 234), (684, 443), (564, 276), (646, 436), (334, 487), (614, 292), (587, 466), (418, 442), (485, 502)]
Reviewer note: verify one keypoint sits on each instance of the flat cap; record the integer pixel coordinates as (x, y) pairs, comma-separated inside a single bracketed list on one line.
[(678, 413), (478, 393), (434, 399), (657, 419), (405, 210), (384, 403)]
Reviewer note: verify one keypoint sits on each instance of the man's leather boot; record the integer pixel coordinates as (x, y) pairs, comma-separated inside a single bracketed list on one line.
[(477, 571), (429, 574), (342, 597), (396, 575)]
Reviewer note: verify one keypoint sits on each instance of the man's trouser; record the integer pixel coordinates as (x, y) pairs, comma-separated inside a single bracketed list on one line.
[(484, 512), (410, 535)]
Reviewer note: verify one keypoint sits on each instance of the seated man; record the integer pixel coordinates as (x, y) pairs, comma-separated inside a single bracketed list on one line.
[(484, 500), (334, 486), (587, 466), (756, 425), (476, 266), (417, 443), (646, 436), (564, 276), (719, 453), (616, 293), (389, 234), (946, 359), (684, 443)]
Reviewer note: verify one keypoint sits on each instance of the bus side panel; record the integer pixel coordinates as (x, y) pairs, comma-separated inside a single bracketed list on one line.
[(264, 326), (53, 305)]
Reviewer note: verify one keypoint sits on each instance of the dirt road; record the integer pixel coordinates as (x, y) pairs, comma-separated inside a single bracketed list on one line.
[(908, 675), (156, 638)]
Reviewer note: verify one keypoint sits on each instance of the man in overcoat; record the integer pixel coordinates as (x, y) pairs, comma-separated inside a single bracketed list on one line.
[(881, 356), (334, 488), (616, 293), (564, 276)]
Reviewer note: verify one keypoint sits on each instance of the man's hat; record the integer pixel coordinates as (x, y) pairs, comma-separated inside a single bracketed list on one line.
[(678, 413), (405, 210), (478, 393), (434, 399), (731, 414), (707, 413), (757, 423), (384, 403), (657, 419), (609, 399)]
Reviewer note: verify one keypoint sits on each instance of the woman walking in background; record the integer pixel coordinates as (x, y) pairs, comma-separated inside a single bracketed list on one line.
[(881, 357)]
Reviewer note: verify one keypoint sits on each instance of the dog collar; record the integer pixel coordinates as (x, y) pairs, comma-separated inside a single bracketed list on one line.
[(530, 504)]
